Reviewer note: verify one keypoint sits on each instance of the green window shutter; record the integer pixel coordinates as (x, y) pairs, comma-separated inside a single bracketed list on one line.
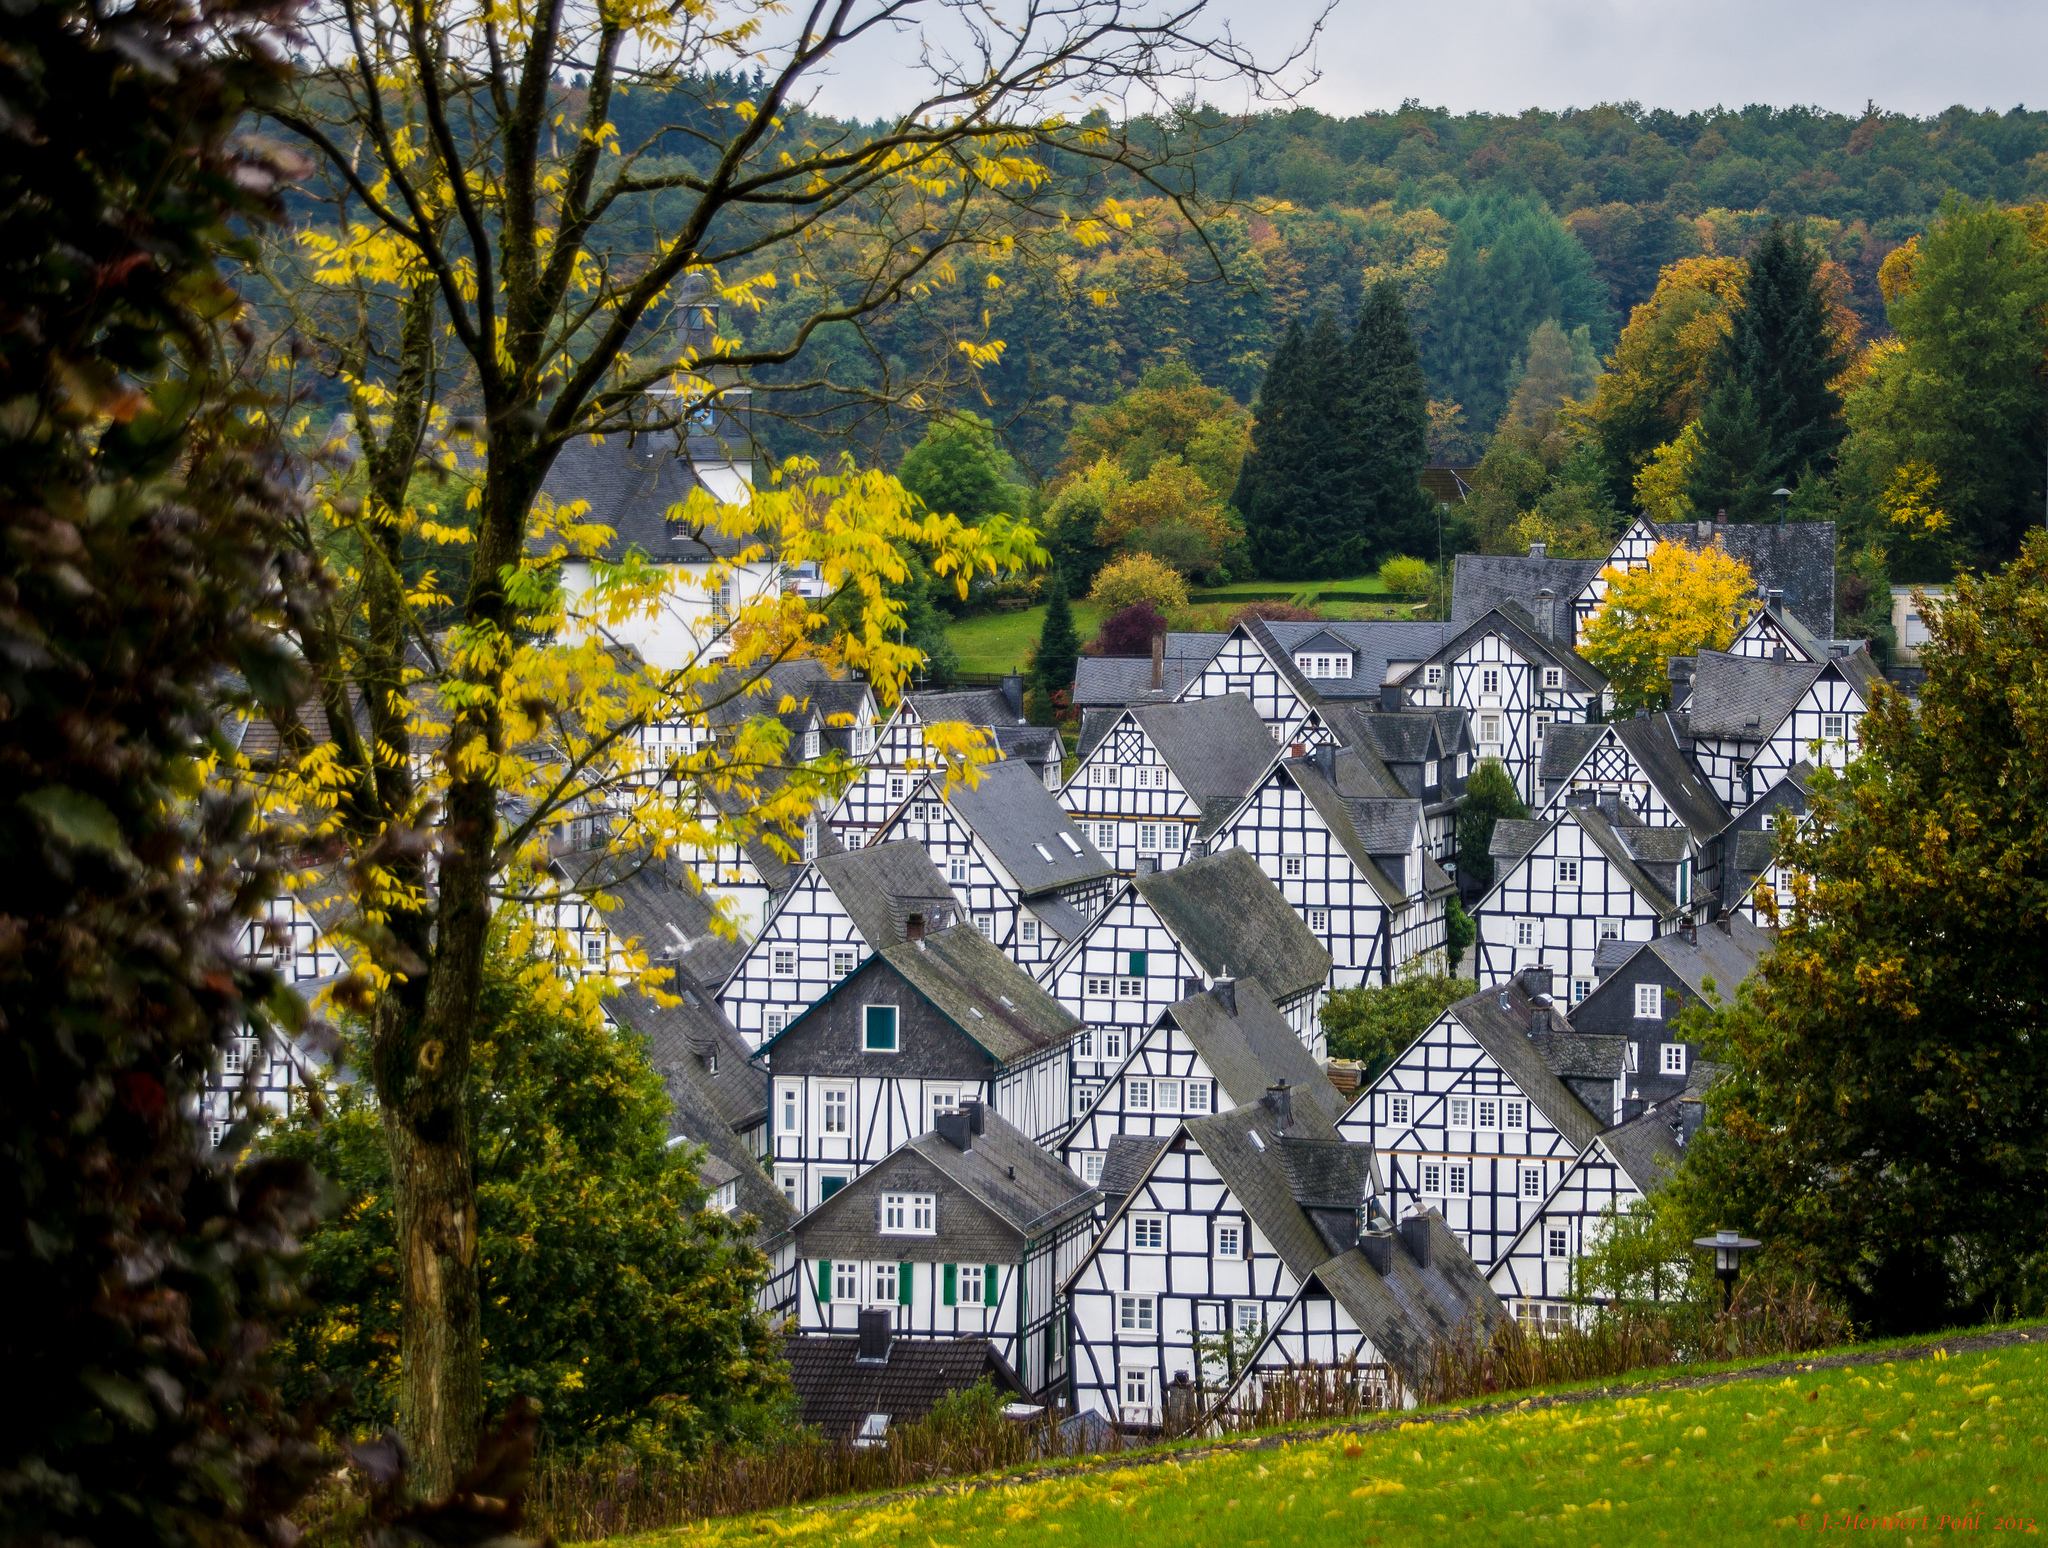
[(991, 1287), (824, 1282), (952, 1284), (903, 1283), (1137, 964)]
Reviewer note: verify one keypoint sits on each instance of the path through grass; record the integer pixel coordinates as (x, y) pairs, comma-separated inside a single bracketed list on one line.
[(1916, 1448)]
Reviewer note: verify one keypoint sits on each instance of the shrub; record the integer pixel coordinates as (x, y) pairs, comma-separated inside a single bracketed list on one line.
[(1375, 1022), (1130, 632), (1139, 578), (1408, 579)]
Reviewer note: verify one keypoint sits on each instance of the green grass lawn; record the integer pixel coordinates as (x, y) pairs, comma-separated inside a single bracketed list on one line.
[(996, 642), (1358, 586), (1936, 1445)]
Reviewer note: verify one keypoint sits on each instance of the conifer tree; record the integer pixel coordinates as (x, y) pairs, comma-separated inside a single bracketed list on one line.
[(1389, 432), (1782, 355), (1490, 795), (1296, 488), (1059, 645)]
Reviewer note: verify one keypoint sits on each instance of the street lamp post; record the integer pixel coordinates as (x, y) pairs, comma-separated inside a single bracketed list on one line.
[(1728, 1250), (1781, 495)]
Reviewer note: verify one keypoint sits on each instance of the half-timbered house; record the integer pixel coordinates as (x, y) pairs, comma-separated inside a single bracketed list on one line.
[(1561, 594), (1592, 874), (1163, 935), (1253, 665), (1125, 682), (841, 909), (1474, 1118), (1026, 876), (1534, 1272), (967, 1230), (1428, 751), (1348, 848), (915, 1030), (1753, 718), (1149, 783), (902, 750), (1211, 1052), (1643, 762)]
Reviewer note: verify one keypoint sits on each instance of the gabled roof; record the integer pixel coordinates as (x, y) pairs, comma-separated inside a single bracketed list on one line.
[(1573, 1055), (1398, 736), (1409, 1310), (882, 885), (986, 995), (1373, 644), (1368, 813), (1010, 810), (1499, 1020), (1645, 1147), (1746, 697), (1251, 1048), (1514, 837), (836, 1392), (657, 904), (1652, 741), (1519, 629), (1628, 847), (1230, 918), (631, 482), (1727, 952), (1482, 582), (1127, 1162), (1797, 558), (1218, 749), (972, 706), (1118, 681), (1032, 746), (1258, 1178)]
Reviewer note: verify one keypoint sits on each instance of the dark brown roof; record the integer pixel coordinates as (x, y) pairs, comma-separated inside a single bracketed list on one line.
[(837, 1393)]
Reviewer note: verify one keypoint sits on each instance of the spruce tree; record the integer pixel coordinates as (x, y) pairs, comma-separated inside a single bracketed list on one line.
[(1783, 356), (1489, 796), (1059, 646), (1270, 497), (1389, 434)]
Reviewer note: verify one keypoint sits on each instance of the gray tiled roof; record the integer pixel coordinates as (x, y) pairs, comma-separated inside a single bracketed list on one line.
[(1565, 746), (1032, 746), (1372, 642), (984, 993), (972, 706), (1230, 918), (1652, 740), (1645, 1147), (1755, 850), (1582, 1055), (880, 886), (1258, 1178), (1386, 825), (1482, 582), (1498, 1020), (1797, 558), (1746, 697), (1727, 952), (1253, 1049), (1514, 837), (1022, 1183), (1218, 749), (1410, 1310), (1126, 1163), (1399, 736), (1364, 807), (658, 906), (1066, 922), (1118, 681), (631, 482), (1012, 812)]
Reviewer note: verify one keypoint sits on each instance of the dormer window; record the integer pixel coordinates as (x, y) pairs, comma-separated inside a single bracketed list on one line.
[(810, 745)]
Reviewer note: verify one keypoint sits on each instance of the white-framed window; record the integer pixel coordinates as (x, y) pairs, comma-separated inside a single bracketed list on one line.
[(1542, 723), (1433, 677), (1400, 1109), (1532, 1182), (1489, 681), (1319, 920), (1525, 932), (790, 1183), (593, 951), (1461, 1112), (1672, 1061), (1464, 764), (811, 840), (1096, 987), (1166, 1096), (1105, 836), (1027, 931), (782, 961), (1102, 774), (878, 1029), (1130, 988), (898, 784), (834, 1104), (1148, 838), (882, 1285), (1432, 1179), (1137, 1388), (1632, 1056), (1649, 1002), (1488, 1112), (1197, 1093), (846, 1281), (842, 961), (1170, 836), (1229, 1241), (956, 868), (1112, 1043), (1581, 987), (216, 1134), (986, 924), (1567, 872), (855, 839), (1091, 1167), (1558, 1241), (1610, 929), (1084, 1044), (943, 1102), (1833, 728), (810, 744), (1553, 677), (792, 1105), (1134, 1313), (1489, 729), (1138, 1096), (1514, 1114), (772, 1023), (1459, 1179), (972, 1287), (1148, 1233), (907, 1214), (1247, 1316), (1429, 774), (1290, 867)]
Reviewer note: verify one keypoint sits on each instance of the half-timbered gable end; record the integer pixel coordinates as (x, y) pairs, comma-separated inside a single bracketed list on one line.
[(1211, 1052), (1593, 874), (1346, 663), (919, 1028), (1427, 751), (1150, 783), (1377, 1315), (1346, 846), (1027, 877), (840, 910), (1166, 935), (967, 1230), (901, 751), (1533, 1275), (1639, 997), (1516, 683), (1472, 1119), (1753, 718), (1631, 552), (1214, 1242), (1252, 664), (1558, 594), (1642, 761)]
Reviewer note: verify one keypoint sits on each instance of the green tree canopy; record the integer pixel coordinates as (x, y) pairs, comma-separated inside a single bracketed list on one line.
[(1489, 796), (1389, 510), (1059, 643), (1373, 1023), (960, 469), (1883, 1126), (1170, 413), (610, 1292)]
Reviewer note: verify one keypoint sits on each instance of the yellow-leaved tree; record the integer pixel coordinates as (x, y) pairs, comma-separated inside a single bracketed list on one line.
[(1686, 600), (491, 270)]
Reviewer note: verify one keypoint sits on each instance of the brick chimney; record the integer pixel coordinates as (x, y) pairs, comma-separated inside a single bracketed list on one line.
[(913, 928), (1158, 662)]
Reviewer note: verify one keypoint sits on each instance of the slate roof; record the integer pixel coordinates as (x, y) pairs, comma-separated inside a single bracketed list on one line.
[(1482, 582), (1032, 746), (658, 906), (984, 993), (836, 1393), (973, 706), (1218, 749), (1127, 1162), (1066, 922), (1372, 642), (1252, 1049), (882, 885), (1797, 558), (1582, 1055), (1399, 736), (1230, 918), (631, 482), (1022, 1184), (1514, 837), (1258, 1178), (1746, 697), (1119, 681), (1727, 952), (1498, 1020), (1409, 1310), (1755, 849), (1012, 812), (1645, 1147)]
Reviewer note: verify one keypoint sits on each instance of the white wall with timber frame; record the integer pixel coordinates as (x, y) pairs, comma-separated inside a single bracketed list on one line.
[(1511, 698), (1631, 552), (1129, 802), (1611, 769), (899, 754), (1369, 943), (1242, 666), (1555, 905), (1533, 1276), (1163, 1079), (1761, 638), (1163, 1273), (1454, 1132)]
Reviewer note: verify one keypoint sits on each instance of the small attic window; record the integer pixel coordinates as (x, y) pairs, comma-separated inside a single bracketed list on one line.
[(1068, 840), (1043, 853), (1258, 1140), (975, 1012)]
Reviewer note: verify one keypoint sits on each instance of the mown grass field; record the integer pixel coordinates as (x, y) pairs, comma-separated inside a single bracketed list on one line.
[(1917, 1450), (997, 642)]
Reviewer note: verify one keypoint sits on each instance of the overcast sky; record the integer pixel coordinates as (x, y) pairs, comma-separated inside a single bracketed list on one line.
[(1914, 56)]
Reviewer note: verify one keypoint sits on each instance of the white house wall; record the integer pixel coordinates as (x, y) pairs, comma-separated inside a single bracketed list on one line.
[(1537, 914)]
